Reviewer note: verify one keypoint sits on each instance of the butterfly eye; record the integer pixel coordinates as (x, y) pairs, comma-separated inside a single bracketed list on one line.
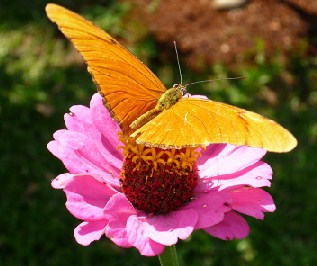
[(183, 90)]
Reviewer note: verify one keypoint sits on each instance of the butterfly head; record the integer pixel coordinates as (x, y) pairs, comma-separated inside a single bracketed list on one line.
[(181, 88)]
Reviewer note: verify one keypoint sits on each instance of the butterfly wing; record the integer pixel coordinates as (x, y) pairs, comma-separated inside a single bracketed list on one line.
[(197, 122), (128, 87)]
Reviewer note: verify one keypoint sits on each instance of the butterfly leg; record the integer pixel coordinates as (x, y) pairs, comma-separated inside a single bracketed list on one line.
[(143, 119)]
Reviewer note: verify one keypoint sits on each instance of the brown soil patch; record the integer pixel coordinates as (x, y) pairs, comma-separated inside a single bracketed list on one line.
[(205, 35)]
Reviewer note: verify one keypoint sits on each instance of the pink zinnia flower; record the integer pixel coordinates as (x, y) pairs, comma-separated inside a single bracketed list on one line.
[(148, 197)]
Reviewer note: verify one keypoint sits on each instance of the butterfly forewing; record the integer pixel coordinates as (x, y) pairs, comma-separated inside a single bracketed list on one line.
[(129, 88)]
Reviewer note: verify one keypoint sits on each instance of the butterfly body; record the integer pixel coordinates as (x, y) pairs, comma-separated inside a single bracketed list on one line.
[(170, 97), (149, 112), (166, 101)]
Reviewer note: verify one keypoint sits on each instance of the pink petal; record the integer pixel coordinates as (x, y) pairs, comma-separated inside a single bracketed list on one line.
[(79, 120), (232, 226), (53, 145), (118, 211), (84, 155), (118, 234), (210, 207), (196, 96), (87, 232), (90, 143), (136, 231), (257, 175), (167, 229), (61, 180), (252, 201), (126, 226), (86, 197), (119, 207), (221, 159), (77, 152), (108, 127), (59, 133)]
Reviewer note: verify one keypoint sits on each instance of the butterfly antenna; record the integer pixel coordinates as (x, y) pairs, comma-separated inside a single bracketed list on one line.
[(179, 66), (212, 80)]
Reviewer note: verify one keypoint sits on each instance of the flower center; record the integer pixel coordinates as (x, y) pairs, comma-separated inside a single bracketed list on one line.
[(156, 180)]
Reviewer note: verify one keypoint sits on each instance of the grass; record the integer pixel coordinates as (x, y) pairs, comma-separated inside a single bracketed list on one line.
[(41, 77)]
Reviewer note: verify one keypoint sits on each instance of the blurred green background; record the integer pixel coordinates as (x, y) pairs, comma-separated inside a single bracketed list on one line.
[(41, 76)]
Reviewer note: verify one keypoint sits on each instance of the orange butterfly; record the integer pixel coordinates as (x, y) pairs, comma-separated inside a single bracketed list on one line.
[(143, 107)]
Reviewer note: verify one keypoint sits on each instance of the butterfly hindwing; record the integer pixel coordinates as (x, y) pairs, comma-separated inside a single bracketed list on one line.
[(200, 122)]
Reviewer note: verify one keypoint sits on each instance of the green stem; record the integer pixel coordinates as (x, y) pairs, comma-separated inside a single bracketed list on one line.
[(169, 257)]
